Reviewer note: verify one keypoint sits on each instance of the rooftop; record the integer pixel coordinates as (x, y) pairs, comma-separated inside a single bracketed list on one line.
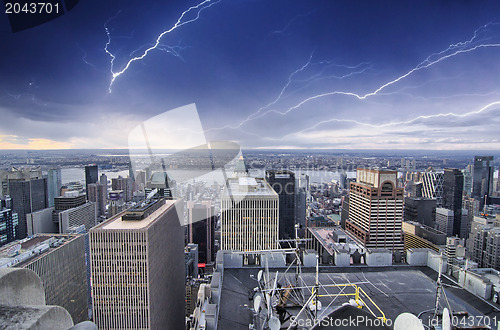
[(247, 186), (388, 287), (20, 252), (117, 223)]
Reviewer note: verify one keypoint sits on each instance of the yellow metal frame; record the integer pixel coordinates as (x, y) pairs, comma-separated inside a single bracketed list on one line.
[(358, 295)]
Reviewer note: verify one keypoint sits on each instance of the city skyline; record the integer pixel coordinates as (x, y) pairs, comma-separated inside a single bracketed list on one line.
[(273, 75)]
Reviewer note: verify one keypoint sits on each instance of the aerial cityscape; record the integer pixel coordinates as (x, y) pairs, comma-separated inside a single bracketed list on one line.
[(220, 164)]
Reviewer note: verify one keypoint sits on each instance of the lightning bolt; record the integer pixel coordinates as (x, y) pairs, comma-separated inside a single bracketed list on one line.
[(452, 50), (485, 108), (157, 45), (282, 31), (291, 79)]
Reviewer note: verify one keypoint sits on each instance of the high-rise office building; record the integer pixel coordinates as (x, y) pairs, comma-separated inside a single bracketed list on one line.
[(137, 267), (27, 196), (116, 202), (70, 200), (249, 218), (70, 219), (91, 176), (98, 194), (376, 209), (467, 181), (103, 179), (8, 221), (201, 229), (54, 184), (283, 183), (444, 220), (124, 184), (432, 186), (421, 210), (453, 183), (482, 178), (483, 243), (59, 261), (301, 196)]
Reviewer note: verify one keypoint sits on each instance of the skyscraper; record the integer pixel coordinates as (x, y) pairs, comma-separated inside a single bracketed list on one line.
[(301, 195), (283, 183), (27, 196), (453, 183), (137, 266), (8, 221), (482, 178), (249, 220), (54, 184), (432, 186), (98, 194), (124, 184), (91, 176), (420, 209), (376, 209), (202, 232)]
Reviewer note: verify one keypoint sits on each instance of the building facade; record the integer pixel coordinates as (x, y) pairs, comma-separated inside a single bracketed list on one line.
[(482, 178), (420, 209), (453, 182), (432, 186), (376, 209), (91, 176), (8, 221), (27, 196), (98, 193), (283, 183), (201, 229), (137, 267), (59, 260), (249, 217)]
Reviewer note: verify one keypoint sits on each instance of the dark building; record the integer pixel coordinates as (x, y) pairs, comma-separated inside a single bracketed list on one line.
[(301, 194), (68, 201), (202, 232), (124, 184), (421, 210), (344, 211), (8, 221), (283, 183), (91, 176), (453, 183), (482, 178), (27, 196), (98, 193)]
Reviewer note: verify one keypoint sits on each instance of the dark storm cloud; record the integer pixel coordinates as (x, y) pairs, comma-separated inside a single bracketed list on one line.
[(249, 66)]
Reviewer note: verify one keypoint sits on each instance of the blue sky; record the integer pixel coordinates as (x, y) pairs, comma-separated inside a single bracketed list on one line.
[(265, 74)]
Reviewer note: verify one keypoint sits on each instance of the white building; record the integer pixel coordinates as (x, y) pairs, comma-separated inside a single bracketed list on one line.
[(249, 220), (137, 267)]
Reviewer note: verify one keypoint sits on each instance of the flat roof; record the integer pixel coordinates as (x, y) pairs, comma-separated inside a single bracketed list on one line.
[(30, 249), (395, 290), (248, 186), (116, 222)]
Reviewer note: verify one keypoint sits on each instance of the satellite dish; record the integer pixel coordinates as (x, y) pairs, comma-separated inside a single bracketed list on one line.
[(274, 323), (256, 303), (259, 275), (408, 321), (446, 325)]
